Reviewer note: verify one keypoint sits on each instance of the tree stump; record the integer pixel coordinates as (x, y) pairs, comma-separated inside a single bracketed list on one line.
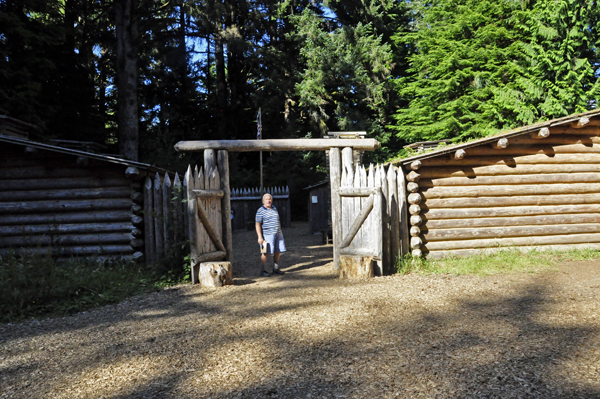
[(356, 266), (212, 274)]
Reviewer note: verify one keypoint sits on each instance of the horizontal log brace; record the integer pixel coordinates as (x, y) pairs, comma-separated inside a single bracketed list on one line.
[(277, 145), (358, 191), (209, 193), (360, 252)]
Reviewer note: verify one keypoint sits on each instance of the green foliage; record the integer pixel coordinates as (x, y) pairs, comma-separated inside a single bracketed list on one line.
[(344, 85), (483, 66), (510, 260), (35, 286)]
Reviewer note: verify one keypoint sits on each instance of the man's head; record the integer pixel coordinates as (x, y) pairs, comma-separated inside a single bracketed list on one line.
[(267, 200)]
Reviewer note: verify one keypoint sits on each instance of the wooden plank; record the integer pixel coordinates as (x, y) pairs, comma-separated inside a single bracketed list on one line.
[(159, 240), (210, 229), (515, 241), (403, 214), (385, 222), (360, 218), (65, 228), (167, 194), (358, 236), (360, 252), (364, 229), (223, 164), (179, 227), (393, 212), (217, 217), (64, 205), (211, 256), (378, 224), (347, 203), (357, 191), (191, 212), (209, 193), (366, 144), (335, 171), (489, 202)]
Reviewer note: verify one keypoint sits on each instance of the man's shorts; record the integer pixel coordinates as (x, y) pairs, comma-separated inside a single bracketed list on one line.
[(275, 243)]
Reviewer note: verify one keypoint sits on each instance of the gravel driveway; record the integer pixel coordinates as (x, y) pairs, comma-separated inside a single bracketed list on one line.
[(309, 334)]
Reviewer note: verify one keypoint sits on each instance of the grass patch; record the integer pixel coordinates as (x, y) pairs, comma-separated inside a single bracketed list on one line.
[(39, 286), (506, 261)]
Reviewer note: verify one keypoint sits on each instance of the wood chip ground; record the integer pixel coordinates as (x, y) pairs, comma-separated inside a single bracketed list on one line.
[(309, 334)]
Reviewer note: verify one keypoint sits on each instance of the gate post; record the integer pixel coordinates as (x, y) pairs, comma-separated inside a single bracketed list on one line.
[(335, 173), (223, 162)]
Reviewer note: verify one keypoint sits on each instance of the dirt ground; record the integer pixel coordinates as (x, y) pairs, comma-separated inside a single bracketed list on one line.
[(308, 334)]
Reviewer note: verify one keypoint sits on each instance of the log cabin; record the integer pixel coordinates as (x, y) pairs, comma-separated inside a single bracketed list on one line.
[(69, 201), (537, 186)]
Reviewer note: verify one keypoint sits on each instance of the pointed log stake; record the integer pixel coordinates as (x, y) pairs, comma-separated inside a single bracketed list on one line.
[(360, 219), (581, 122), (209, 229), (542, 134), (415, 165), (500, 144), (459, 154)]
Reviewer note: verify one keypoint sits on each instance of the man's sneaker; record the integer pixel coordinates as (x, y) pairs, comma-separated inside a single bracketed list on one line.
[(277, 271), (265, 273)]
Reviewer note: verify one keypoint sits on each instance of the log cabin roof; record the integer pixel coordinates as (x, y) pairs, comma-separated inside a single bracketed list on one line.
[(487, 140), (101, 157)]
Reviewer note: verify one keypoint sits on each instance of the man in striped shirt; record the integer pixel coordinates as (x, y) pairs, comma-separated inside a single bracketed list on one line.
[(268, 230)]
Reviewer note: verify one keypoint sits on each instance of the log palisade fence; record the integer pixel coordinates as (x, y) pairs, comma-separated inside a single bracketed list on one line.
[(534, 187), (246, 201)]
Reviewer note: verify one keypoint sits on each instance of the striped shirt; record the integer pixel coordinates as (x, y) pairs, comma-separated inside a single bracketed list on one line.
[(269, 218)]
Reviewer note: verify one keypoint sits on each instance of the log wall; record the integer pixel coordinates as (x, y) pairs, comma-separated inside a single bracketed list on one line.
[(533, 193), (70, 206)]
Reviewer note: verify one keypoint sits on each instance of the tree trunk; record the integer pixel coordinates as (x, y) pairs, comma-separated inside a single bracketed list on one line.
[(127, 76)]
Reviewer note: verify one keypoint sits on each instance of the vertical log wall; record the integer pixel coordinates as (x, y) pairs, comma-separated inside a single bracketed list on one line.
[(536, 190)]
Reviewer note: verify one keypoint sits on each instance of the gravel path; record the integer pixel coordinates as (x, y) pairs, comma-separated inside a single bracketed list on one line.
[(309, 334)]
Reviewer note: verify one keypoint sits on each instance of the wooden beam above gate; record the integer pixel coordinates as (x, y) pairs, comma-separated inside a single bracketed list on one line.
[(277, 145)]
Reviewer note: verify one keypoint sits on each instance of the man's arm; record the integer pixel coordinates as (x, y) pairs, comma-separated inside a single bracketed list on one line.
[(258, 227)]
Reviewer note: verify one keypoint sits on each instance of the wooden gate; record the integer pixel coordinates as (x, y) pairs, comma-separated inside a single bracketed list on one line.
[(209, 211), (356, 215)]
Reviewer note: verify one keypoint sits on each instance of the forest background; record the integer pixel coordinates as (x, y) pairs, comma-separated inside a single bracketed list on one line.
[(141, 75)]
